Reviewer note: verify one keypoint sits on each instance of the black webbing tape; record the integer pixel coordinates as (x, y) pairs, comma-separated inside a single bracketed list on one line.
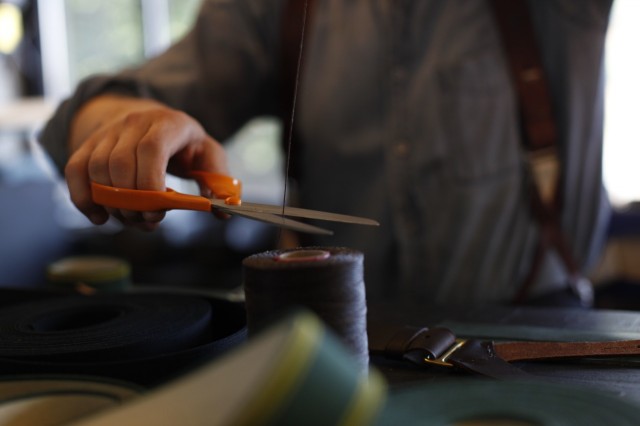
[(141, 338)]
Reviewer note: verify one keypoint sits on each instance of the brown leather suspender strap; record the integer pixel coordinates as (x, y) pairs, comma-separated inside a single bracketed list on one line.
[(540, 137), (514, 24)]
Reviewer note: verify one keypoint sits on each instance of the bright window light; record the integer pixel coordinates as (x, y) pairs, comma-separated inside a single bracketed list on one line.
[(621, 165), (10, 27)]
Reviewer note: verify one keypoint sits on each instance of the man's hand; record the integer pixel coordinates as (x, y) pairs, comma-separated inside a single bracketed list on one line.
[(132, 143)]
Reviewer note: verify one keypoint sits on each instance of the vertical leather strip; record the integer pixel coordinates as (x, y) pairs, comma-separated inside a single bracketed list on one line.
[(539, 135), (514, 23)]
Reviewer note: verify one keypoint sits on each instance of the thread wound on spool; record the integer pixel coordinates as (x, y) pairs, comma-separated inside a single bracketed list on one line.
[(302, 255), (330, 285)]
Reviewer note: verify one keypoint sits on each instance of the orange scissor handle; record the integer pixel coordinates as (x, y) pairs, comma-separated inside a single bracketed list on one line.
[(222, 186), (143, 200)]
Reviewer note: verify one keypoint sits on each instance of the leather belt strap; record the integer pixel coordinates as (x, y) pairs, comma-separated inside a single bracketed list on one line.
[(520, 351), (439, 346)]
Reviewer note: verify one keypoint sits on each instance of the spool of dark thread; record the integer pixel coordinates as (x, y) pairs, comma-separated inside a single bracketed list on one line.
[(326, 280)]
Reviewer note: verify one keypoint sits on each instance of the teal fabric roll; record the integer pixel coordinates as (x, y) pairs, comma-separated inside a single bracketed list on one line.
[(483, 402)]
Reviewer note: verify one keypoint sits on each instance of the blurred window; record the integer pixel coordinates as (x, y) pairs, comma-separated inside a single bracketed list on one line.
[(102, 36), (182, 14), (84, 37), (622, 115)]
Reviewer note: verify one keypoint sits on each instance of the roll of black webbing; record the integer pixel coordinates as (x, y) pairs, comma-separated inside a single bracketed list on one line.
[(325, 280), (142, 338)]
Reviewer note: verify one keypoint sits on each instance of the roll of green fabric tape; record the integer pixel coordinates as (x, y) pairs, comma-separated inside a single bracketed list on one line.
[(514, 403), (88, 274), (295, 372)]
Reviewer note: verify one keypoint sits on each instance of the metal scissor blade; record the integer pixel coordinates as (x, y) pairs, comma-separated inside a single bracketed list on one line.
[(280, 221), (298, 212)]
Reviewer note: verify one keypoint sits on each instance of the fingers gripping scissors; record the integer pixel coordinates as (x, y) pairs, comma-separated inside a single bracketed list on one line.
[(226, 191)]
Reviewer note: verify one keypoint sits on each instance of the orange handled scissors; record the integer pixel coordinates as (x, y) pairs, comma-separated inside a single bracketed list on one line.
[(226, 191)]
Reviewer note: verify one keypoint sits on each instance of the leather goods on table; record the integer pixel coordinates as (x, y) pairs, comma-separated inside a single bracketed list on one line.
[(439, 346), (295, 372), (619, 376), (299, 359)]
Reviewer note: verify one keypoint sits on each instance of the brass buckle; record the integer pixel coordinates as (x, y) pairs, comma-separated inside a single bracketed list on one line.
[(442, 360)]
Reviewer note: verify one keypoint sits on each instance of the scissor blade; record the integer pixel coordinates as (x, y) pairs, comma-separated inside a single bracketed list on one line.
[(280, 221), (298, 212)]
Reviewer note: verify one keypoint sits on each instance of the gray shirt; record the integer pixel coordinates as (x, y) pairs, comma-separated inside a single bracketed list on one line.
[(406, 115)]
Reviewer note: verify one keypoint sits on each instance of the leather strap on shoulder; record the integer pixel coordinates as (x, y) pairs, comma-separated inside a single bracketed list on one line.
[(541, 139)]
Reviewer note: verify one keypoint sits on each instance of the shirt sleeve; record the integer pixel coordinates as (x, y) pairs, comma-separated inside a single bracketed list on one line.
[(222, 73)]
